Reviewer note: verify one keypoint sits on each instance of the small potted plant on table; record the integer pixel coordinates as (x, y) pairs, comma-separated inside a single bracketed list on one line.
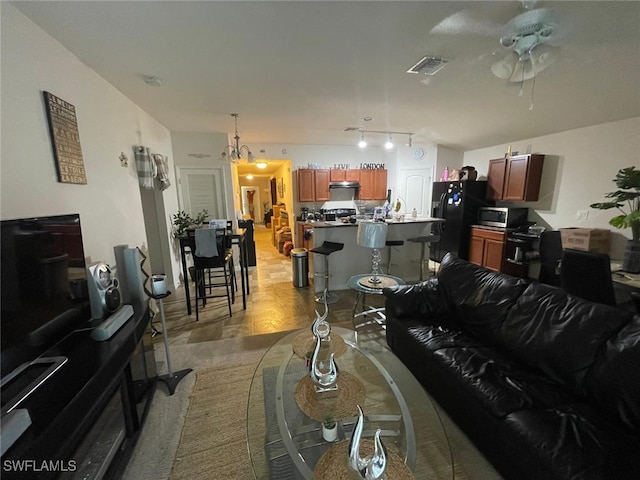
[(627, 200), (329, 429)]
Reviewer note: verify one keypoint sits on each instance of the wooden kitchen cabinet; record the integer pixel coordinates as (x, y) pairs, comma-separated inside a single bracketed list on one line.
[(306, 185), (321, 182), (313, 185), (373, 184), (516, 178), (351, 175), (486, 248)]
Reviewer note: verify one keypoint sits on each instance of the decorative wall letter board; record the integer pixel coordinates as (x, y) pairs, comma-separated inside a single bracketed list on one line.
[(65, 138)]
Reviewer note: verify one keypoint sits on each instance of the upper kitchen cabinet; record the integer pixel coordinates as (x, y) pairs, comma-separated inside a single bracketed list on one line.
[(515, 179), (306, 185), (313, 185), (351, 175), (321, 182), (373, 184)]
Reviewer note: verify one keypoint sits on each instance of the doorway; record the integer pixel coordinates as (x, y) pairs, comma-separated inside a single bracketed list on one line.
[(251, 202), (201, 189), (414, 187)]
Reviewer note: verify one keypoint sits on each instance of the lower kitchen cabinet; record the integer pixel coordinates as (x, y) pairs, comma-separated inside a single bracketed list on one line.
[(486, 248)]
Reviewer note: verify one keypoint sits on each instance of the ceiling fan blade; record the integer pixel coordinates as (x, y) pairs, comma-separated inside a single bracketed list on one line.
[(467, 22)]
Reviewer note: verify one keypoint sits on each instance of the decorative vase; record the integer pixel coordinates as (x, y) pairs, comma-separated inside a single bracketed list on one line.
[(631, 260), (330, 434)]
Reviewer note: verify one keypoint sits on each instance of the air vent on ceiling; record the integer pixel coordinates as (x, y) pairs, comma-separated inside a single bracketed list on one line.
[(428, 65)]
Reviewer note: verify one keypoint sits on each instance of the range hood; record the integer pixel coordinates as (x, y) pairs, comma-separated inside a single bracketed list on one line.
[(344, 184)]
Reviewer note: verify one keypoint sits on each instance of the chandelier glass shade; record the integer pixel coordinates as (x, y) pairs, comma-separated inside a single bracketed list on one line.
[(235, 152)]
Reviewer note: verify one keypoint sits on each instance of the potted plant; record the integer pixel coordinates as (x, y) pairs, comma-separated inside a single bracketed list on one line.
[(627, 200), (329, 429), (182, 221)]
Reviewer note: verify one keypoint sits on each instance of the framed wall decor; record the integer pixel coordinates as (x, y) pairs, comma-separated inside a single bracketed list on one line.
[(65, 140), (281, 187)]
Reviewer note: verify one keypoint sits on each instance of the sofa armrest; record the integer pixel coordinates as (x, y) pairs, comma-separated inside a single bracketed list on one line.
[(417, 300)]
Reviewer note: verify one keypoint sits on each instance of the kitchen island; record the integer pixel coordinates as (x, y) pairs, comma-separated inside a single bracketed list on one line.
[(354, 259)]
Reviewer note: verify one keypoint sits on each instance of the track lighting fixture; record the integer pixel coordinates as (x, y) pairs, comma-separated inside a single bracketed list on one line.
[(388, 144), (362, 143), (235, 151)]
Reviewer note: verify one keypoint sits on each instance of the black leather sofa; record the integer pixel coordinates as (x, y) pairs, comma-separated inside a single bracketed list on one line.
[(546, 385)]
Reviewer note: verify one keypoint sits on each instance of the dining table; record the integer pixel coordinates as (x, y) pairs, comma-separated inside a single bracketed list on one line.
[(238, 237)]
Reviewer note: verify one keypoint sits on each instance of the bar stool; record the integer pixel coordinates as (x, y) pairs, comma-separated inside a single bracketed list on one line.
[(423, 240), (389, 244), (326, 249)]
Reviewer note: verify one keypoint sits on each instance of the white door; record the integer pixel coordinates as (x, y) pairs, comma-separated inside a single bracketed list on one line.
[(414, 185), (201, 188)]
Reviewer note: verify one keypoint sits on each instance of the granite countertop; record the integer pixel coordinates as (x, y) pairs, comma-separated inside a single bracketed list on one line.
[(339, 223)]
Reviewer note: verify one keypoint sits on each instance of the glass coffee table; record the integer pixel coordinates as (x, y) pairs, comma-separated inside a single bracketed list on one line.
[(284, 428)]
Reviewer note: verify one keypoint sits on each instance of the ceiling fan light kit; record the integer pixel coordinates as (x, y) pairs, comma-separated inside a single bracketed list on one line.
[(532, 38)]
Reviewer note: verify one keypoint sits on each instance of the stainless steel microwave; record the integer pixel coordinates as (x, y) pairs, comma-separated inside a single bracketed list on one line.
[(503, 217)]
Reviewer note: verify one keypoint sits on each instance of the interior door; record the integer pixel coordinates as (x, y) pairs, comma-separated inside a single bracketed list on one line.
[(413, 187), (201, 188)]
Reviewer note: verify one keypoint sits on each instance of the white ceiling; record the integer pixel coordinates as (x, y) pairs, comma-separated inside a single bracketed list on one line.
[(300, 72)]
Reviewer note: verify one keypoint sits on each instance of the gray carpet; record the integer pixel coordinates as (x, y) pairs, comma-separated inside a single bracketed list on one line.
[(154, 454)]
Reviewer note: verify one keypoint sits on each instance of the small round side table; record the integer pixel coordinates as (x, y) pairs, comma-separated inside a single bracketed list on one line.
[(369, 315)]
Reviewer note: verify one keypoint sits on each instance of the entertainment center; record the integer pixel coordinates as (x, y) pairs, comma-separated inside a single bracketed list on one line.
[(72, 406)]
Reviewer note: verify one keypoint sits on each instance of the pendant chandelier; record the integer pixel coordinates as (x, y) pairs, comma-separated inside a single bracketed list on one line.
[(235, 151)]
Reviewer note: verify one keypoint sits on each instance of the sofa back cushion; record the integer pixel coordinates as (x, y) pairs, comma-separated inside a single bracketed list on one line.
[(558, 333), (479, 298), (614, 379)]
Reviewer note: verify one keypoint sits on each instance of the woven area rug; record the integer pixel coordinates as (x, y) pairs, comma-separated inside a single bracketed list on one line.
[(213, 442)]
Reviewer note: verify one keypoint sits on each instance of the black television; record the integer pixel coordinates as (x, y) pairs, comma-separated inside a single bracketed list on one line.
[(44, 285)]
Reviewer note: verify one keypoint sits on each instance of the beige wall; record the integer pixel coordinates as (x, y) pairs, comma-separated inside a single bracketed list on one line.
[(109, 124), (579, 168)]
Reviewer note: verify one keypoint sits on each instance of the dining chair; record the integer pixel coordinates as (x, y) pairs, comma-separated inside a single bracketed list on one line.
[(587, 275), (213, 264), (550, 257)]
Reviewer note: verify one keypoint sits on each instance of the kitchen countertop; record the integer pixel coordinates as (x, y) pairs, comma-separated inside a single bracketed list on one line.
[(338, 223)]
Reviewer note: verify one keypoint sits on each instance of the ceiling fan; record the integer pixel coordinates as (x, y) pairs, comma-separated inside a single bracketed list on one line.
[(533, 40)]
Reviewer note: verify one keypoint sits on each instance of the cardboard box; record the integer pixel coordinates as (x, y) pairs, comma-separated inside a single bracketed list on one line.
[(588, 239)]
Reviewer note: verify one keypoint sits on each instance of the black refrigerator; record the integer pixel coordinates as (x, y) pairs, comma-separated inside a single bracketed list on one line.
[(458, 203)]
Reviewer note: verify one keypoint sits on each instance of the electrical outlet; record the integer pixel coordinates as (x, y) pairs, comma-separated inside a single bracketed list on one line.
[(124, 161), (582, 214)]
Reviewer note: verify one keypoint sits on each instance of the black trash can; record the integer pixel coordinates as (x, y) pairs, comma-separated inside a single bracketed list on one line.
[(300, 265), (251, 244)]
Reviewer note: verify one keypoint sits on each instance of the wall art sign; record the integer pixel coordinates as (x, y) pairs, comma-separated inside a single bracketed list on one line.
[(63, 128), (372, 166)]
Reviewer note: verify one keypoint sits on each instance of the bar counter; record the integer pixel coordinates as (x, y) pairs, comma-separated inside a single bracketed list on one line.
[(354, 259)]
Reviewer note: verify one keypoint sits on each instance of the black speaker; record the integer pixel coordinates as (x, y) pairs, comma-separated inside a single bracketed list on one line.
[(104, 294), (130, 274)]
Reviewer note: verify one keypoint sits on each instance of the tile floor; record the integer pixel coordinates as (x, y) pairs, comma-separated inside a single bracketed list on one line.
[(274, 304)]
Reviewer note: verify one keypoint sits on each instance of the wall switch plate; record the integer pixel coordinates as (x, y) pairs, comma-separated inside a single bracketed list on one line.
[(582, 214)]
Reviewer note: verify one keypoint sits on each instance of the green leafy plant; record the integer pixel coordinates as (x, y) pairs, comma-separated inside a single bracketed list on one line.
[(626, 197), (182, 221), (329, 422)]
